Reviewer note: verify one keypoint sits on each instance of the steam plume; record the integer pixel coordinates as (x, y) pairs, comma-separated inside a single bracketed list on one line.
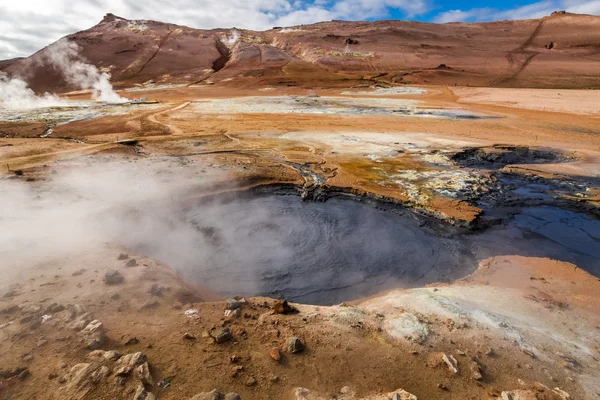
[(15, 94), (64, 57)]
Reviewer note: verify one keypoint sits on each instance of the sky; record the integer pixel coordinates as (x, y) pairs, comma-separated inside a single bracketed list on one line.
[(28, 25)]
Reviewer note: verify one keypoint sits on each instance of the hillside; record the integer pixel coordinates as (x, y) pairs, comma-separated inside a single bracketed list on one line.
[(561, 50)]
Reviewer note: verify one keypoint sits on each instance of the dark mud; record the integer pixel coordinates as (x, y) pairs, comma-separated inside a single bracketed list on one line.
[(343, 249), (496, 157)]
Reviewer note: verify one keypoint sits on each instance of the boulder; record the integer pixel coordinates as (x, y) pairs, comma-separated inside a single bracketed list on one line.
[(113, 277), (295, 345), (93, 335)]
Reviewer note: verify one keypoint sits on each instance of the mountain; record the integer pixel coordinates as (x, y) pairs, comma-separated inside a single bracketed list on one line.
[(561, 50)]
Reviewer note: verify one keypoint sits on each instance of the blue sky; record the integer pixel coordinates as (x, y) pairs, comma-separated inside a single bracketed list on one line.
[(28, 25)]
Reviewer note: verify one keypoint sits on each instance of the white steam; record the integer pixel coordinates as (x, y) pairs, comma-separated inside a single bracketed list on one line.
[(232, 39), (64, 57), (16, 95)]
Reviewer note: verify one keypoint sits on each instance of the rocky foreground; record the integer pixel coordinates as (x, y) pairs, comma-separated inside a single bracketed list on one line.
[(132, 330)]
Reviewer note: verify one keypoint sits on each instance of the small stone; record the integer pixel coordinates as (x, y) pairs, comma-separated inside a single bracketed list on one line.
[(212, 395), (113, 277), (223, 335), (52, 375), (282, 307), (150, 304), (274, 378), (275, 354), (123, 256), (234, 304), (295, 345), (251, 381), (131, 263), (24, 374), (189, 336), (156, 290), (131, 341), (27, 357), (232, 396), (442, 386), (234, 359), (451, 362)]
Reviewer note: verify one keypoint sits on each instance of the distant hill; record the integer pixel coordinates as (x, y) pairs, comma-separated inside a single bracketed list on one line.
[(561, 50)]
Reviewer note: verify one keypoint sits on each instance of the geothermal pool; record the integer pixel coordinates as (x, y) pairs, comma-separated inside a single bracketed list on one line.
[(342, 249)]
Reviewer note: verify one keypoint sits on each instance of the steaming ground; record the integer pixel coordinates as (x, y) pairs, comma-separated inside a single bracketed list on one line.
[(280, 246), (62, 56)]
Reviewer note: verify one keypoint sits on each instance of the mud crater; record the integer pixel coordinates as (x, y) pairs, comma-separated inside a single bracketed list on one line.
[(499, 156)]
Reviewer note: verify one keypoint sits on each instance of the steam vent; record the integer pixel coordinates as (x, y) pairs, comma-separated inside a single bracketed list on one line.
[(381, 209)]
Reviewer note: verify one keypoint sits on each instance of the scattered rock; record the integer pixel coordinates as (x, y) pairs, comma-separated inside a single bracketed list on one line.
[(101, 355), (295, 345), (407, 327), (212, 395), (131, 263), (131, 341), (234, 304), (93, 335), (143, 373), (128, 362), (113, 277), (223, 335), (476, 371), (142, 394), (275, 354), (282, 307), (156, 290), (150, 305), (451, 362)]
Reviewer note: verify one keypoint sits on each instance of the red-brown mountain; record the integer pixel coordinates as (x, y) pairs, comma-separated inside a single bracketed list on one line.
[(561, 50)]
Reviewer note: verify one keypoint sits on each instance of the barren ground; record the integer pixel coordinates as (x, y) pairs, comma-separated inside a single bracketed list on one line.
[(520, 324)]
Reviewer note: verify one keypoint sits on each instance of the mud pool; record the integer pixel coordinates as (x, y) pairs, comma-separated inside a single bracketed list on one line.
[(341, 250)]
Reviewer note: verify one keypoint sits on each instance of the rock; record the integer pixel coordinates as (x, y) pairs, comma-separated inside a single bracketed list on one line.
[(561, 393), (143, 373), (189, 336), (156, 290), (401, 394), (9, 373), (99, 374), (519, 395), (131, 341), (142, 394), (24, 374), (131, 263), (212, 395), (251, 381), (223, 335), (476, 371), (101, 355), (282, 307), (305, 394), (150, 304), (93, 335), (295, 345), (275, 354), (113, 277), (232, 396), (407, 327), (127, 363), (234, 304), (81, 321), (80, 380), (451, 362), (123, 256)]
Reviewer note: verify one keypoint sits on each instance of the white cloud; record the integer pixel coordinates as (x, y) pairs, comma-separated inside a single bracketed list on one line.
[(533, 10), (28, 25)]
